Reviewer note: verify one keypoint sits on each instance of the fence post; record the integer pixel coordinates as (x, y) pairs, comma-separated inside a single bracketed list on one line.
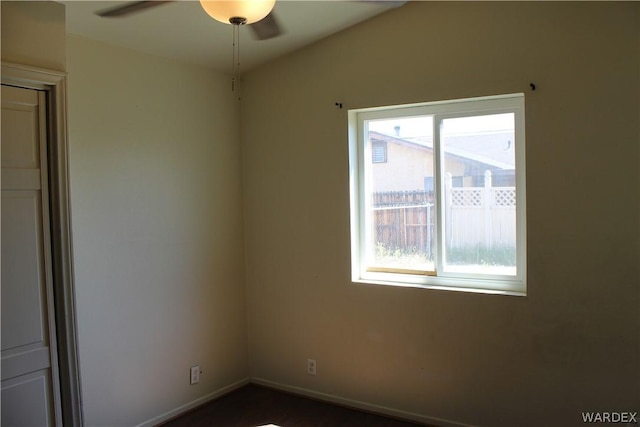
[(404, 239), (428, 243), (487, 202), (448, 183)]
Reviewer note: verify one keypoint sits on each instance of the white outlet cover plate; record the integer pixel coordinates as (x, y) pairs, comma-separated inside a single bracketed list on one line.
[(195, 374)]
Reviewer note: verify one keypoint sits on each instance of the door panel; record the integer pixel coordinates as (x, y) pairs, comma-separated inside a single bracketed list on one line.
[(20, 140), (22, 279), (26, 360), (30, 385), (27, 397)]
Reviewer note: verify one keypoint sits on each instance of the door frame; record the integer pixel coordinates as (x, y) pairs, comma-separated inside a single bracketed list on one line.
[(54, 83)]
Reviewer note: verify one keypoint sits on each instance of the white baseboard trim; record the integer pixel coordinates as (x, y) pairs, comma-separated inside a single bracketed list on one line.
[(356, 404), (193, 404)]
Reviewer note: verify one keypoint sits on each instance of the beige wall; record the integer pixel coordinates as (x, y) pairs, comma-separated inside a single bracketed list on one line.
[(157, 226), (33, 33), (572, 344)]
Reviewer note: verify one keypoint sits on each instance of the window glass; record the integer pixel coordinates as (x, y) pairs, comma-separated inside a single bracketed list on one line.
[(479, 219), (400, 211)]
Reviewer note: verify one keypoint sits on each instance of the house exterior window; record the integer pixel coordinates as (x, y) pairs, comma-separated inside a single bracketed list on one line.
[(379, 151), (447, 209)]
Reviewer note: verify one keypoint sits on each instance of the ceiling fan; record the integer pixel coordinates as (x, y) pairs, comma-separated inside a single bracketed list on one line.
[(262, 22), (256, 14)]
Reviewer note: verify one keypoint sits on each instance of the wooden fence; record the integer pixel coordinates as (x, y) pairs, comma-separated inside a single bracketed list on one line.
[(405, 220)]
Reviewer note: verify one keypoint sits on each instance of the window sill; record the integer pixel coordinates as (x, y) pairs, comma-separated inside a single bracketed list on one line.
[(451, 284)]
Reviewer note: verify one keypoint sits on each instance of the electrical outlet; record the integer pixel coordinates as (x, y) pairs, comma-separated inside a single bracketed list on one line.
[(311, 366), (195, 375)]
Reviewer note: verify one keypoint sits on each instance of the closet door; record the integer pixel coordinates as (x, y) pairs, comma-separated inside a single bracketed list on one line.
[(30, 384)]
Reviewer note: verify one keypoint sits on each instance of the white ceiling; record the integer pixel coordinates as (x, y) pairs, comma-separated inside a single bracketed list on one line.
[(183, 31)]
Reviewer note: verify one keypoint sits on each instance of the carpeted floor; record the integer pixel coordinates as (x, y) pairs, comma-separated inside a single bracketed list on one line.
[(255, 406)]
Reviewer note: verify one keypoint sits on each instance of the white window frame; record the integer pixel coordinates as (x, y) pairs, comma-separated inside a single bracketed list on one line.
[(359, 154)]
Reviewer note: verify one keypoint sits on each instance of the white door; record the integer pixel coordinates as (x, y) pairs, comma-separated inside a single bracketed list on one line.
[(30, 384)]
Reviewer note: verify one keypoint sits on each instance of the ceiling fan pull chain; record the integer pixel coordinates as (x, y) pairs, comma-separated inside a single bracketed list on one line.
[(233, 61), (238, 69), (235, 64)]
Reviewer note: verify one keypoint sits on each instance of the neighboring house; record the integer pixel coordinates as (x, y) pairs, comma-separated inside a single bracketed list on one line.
[(404, 164)]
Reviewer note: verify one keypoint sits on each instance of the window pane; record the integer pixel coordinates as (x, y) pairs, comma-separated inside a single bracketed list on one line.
[(478, 166), (400, 213)]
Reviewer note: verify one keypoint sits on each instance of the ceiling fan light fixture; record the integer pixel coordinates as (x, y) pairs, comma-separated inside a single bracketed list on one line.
[(227, 10)]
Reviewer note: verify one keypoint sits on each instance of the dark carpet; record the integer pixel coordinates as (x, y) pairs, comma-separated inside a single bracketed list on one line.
[(254, 406)]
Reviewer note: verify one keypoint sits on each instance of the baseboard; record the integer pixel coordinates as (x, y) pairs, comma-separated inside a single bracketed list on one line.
[(356, 404), (193, 404)]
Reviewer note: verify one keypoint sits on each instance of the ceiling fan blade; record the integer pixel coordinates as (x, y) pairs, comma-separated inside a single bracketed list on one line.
[(266, 28), (388, 3), (131, 7)]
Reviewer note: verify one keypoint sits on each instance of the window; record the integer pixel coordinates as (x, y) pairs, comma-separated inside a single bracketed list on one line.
[(446, 209), (379, 151)]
